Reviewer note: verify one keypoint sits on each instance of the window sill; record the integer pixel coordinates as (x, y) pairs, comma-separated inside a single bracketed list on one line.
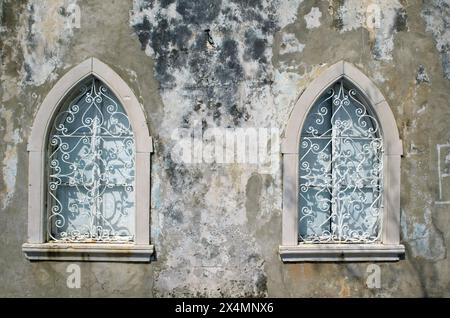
[(342, 253), (88, 252)]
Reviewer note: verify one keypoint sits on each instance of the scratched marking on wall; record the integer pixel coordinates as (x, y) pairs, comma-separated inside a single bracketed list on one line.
[(443, 151)]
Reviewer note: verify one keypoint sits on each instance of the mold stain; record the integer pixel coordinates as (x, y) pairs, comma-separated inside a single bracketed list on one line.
[(213, 64)]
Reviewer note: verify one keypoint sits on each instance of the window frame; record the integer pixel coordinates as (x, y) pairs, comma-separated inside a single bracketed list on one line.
[(389, 249), (37, 247)]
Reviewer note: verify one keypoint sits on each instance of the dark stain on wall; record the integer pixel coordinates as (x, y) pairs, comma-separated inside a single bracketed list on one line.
[(401, 20), (253, 193), (255, 47), (199, 11), (335, 5), (216, 71)]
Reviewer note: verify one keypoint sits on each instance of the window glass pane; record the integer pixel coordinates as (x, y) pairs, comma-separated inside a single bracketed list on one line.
[(356, 162), (318, 121), (117, 210), (117, 154), (91, 169), (74, 202), (315, 167), (357, 215), (350, 117), (315, 191), (315, 214)]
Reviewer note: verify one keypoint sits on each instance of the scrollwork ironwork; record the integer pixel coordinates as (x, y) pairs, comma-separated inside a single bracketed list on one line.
[(91, 169), (340, 171)]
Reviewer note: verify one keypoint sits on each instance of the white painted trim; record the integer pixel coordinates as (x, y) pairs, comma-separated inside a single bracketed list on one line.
[(38, 141), (341, 253), (290, 150), (88, 252)]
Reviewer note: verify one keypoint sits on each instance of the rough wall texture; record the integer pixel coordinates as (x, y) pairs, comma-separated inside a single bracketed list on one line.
[(230, 64)]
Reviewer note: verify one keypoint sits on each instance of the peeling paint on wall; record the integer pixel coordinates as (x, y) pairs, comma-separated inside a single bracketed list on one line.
[(424, 239), (209, 77), (9, 55), (382, 19), (286, 11), (436, 14), (229, 64), (312, 19), (422, 75), (45, 35), (11, 137), (290, 44)]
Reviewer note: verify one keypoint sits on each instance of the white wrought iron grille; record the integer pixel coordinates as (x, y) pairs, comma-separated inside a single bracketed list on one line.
[(91, 169), (340, 171)]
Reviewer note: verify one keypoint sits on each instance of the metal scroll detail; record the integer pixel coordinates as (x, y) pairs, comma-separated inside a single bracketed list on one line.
[(91, 169), (340, 171)]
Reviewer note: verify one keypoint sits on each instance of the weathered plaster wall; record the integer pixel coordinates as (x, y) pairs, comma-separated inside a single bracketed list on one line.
[(230, 64)]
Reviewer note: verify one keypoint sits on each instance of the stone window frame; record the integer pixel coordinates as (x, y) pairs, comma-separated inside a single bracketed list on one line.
[(389, 248), (37, 247)]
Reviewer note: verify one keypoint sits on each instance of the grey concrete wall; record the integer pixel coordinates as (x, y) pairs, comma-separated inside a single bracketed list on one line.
[(217, 227)]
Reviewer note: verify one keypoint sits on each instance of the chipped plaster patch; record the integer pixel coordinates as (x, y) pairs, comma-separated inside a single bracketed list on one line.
[(287, 11), (290, 44), (286, 88), (45, 34), (378, 17), (422, 75), (378, 77), (191, 74), (436, 14), (11, 138), (424, 238), (288, 83), (312, 19), (9, 172), (8, 81), (203, 262)]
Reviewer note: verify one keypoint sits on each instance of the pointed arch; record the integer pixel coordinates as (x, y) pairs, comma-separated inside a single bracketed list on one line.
[(347, 71), (71, 79), (36, 247), (390, 248)]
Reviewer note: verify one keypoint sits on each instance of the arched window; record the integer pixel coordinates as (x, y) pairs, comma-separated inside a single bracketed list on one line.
[(341, 181), (340, 170), (89, 171)]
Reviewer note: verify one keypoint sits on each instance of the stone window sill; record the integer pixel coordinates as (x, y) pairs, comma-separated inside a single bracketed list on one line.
[(91, 252), (342, 253)]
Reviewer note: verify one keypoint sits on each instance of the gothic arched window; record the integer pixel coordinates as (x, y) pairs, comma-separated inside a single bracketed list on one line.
[(89, 171), (341, 172)]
